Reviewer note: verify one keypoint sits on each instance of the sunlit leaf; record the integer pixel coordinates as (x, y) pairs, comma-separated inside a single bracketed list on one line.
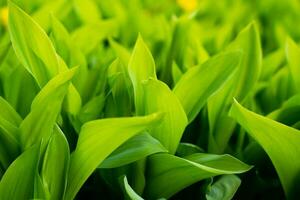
[(159, 98), (18, 181), (279, 141), (136, 148), (97, 140), (199, 83), (185, 171)]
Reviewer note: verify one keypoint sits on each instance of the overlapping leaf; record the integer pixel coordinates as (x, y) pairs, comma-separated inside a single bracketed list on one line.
[(199, 83), (186, 171), (97, 140), (280, 142), (18, 181)]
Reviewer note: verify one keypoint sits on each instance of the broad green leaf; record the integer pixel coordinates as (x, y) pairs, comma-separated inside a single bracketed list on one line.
[(97, 140), (32, 45), (280, 142), (130, 194), (159, 98), (185, 171), (141, 67), (239, 86), (18, 180), (56, 165), (39, 123), (199, 83), (136, 148), (293, 58), (224, 188)]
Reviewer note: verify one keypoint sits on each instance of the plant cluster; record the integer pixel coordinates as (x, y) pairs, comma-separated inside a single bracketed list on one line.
[(144, 99)]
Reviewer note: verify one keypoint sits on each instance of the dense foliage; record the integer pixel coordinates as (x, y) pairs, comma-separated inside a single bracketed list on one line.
[(144, 99)]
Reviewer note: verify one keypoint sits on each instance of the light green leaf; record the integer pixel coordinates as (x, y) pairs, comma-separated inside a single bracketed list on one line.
[(87, 11), (89, 36), (122, 53), (136, 148), (185, 171), (239, 86), (69, 52), (58, 8), (224, 188), (45, 109), (92, 109), (130, 194), (280, 142), (32, 45), (97, 140), (141, 67), (199, 83), (18, 180), (271, 63), (159, 98), (56, 164)]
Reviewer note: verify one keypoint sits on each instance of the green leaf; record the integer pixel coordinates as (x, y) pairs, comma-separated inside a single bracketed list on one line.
[(18, 181), (89, 36), (56, 164), (87, 11), (185, 171), (97, 140), (159, 98), (224, 188), (280, 142), (122, 53), (271, 63), (8, 113), (36, 52), (199, 83), (58, 8), (69, 52), (46, 106), (32, 45), (9, 135), (186, 149), (130, 194), (136, 148), (92, 109), (293, 57), (239, 86), (141, 67), (288, 113)]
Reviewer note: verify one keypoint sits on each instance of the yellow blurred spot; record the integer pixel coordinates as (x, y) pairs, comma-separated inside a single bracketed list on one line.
[(4, 16), (187, 5)]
